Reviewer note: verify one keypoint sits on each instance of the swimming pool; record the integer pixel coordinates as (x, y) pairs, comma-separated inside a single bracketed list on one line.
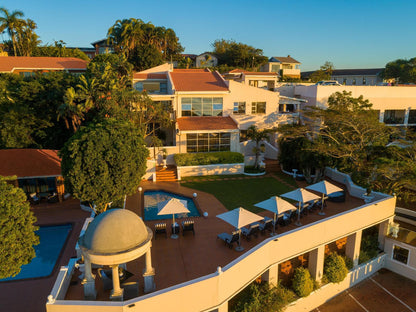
[(152, 198), (52, 240)]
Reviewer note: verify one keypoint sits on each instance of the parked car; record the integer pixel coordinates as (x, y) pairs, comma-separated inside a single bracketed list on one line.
[(328, 83)]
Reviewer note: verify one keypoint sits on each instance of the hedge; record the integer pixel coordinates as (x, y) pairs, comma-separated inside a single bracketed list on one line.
[(199, 159), (335, 268), (302, 282)]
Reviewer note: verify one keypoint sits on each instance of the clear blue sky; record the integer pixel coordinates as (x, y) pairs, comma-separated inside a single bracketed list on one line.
[(350, 34)]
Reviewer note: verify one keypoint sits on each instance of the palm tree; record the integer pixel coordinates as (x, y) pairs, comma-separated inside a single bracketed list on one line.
[(257, 136), (12, 23), (71, 111)]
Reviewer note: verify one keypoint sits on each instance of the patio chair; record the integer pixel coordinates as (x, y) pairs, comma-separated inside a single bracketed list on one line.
[(34, 199), (105, 278), (266, 225), (229, 239), (252, 230), (187, 226), (131, 290), (160, 228)]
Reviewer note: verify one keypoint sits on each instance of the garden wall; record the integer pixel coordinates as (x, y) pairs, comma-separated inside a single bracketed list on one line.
[(191, 171)]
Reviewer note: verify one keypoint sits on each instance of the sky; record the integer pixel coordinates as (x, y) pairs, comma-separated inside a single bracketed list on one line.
[(350, 34)]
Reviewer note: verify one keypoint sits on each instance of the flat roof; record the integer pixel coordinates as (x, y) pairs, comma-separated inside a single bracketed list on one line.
[(206, 123)]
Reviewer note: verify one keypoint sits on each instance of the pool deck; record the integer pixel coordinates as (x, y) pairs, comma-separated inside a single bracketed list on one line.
[(175, 260)]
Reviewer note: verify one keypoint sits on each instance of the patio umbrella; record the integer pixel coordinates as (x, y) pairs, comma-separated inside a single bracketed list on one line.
[(300, 195), (325, 188), (276, 205), (238, 218), (172, 206)]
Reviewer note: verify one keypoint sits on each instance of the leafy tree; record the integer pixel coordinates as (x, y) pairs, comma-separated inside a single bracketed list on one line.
[(59, 49), (17, 232), (335, 268), (257, 136), (238, 54), (324, 73), (145, 56), (11, 22), (104, 161), (402, 70), (302, 282)]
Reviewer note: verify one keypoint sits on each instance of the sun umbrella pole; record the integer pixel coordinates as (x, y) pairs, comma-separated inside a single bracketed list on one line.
[(274, 224), (322, 213), (298, 221), (173, 224)]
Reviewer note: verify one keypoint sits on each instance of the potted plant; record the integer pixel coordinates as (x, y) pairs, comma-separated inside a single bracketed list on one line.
[(368, 195), (164, 156)]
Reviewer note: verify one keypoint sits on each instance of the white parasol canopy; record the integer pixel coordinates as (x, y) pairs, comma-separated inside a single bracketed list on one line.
[(238, 218), (325, 188), (276, 205), (300, 195)]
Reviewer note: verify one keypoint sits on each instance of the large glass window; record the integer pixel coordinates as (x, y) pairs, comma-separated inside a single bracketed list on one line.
[(201, 106), (258, 108), (207, 142), (275, 68), (392, 116), (239, 108), (152, 87), (400, 254), (412, 116)]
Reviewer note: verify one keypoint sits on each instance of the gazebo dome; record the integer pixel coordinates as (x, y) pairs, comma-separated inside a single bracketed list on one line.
[(114, 231)]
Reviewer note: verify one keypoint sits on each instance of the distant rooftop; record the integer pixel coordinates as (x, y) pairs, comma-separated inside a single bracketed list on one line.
[(206, 123), (11, 63), (193, 80), (283, 59)]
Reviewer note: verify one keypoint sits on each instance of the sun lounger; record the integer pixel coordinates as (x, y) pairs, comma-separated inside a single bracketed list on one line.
[(160, 228), (252, 230), (229, 239), (187, 226), (267, 224)]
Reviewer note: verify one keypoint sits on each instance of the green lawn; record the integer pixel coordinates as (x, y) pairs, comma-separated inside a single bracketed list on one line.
[(241, 193)]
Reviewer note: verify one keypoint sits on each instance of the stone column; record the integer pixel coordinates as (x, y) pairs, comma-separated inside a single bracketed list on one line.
[(148, 274), (406, 116), (352, 248), (117, 292), (316, 262), (90, 293), (271, 275)]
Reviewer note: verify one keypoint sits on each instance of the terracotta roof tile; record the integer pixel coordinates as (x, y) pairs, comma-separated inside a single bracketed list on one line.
[(191, 70), (248, 73), (29, 162), (206, 123), (11, 63), (148, 76), (198, 81)]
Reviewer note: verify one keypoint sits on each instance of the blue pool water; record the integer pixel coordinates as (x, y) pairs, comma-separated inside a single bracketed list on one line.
[(52, 239), (152, 198)]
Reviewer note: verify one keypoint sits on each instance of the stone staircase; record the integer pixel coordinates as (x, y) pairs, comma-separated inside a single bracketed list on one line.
[(272, 165), (167, 174)]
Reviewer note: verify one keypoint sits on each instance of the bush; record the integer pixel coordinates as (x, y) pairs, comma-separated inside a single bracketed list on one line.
[(302, 282), (348, 262), (199, 159), (335, 268)]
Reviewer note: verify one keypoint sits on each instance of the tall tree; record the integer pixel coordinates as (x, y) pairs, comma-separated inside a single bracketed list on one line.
[(257, 136), (103, 162), (324, 73), (401, 70), (17, 230), (11, 22)]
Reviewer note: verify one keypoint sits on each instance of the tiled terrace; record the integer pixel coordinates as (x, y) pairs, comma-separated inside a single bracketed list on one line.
[(190, 257)]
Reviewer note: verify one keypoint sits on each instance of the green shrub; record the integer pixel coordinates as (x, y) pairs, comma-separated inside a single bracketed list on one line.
[(348, 262), (335, 268), (260, 297), (198, 159), (364, 257), (302, 282), (369, 245)]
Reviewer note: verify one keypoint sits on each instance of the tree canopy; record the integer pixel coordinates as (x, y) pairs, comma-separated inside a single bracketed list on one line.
[(17, 230), (104, 161), (237, 54), (401, 70), (323, 73)]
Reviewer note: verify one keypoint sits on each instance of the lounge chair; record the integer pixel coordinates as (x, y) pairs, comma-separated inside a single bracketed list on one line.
[(229, 239), (252, 230), (267, 224), (187, 226), (34, 199), (160, 228)]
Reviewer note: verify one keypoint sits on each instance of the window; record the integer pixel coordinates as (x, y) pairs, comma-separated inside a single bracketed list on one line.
[(239, 108), (400, 254), (392, 116), (344, 81), (364, 81), (258, 108), (201, 106), (253, 83), (275, 68), (354, 81), (152, 87), (297, 66), (207, 142)]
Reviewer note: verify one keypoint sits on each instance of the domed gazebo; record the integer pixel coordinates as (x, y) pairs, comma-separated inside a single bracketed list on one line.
[(115, 237)]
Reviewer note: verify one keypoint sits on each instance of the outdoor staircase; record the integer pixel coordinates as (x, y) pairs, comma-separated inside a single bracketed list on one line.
[(272, 165), (167, 174)]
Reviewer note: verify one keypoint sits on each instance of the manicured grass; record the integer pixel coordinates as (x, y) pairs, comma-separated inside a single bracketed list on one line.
[(287, 178), (241, 193)]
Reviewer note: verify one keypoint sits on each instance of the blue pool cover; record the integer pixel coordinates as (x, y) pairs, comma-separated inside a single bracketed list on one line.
[(52, 239), (152, 198)]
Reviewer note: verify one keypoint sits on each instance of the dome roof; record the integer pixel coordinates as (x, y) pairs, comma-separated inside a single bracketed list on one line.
[(114, 231)]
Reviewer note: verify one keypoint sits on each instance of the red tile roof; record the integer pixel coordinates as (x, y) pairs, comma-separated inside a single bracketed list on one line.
[(190, 70), (29, 162), (247, 73), (148, 76), (206, 123), (198, 81), (11, 63)]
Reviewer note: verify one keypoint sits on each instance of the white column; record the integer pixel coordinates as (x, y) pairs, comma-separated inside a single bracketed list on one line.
[(90, 293), (382, 232), (223, 307), (316, 262), (117, 292), (271, 275), (148, 274), (406, 116), (352, 248)]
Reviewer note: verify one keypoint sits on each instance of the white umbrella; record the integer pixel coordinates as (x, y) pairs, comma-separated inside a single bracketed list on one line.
[(276, 205), (300, 195), (172, 206), (325, 188), (238, 218)]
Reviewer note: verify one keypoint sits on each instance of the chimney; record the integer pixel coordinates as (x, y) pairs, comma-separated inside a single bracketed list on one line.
[(288, 55)]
